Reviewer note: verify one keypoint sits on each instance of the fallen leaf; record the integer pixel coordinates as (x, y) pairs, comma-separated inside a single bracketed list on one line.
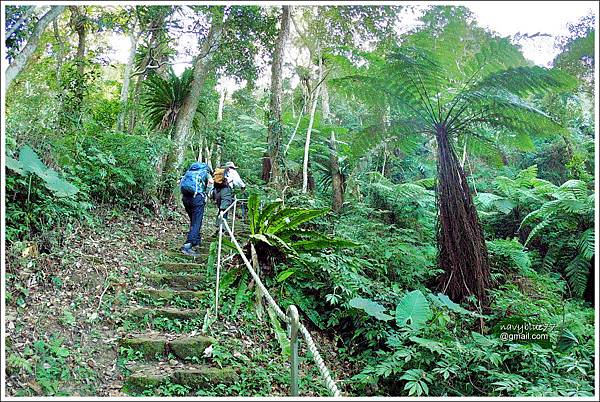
[(35, 386)]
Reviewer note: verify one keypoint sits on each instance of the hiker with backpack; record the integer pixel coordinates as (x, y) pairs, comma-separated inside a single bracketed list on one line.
[(225, 180), (194, 186)]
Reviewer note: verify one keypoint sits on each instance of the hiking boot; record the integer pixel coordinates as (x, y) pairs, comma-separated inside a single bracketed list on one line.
[(187, 250)]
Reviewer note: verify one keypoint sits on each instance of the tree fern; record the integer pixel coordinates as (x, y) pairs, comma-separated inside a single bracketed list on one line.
[(441, 83), (557, 222)]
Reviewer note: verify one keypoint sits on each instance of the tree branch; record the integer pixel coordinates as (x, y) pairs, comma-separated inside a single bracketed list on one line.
[(22, 19)]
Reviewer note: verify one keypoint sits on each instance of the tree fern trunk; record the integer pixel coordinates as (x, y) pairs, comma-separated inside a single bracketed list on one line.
[(462, 252)]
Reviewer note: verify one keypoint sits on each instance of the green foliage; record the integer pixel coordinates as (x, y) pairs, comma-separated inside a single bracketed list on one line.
[(447, 358), (164, 97), (365, 277), (114, 166), (413, 308), (40, 199), (46, 360), (506, 254), (29, 162), (370, 307), (416, 382), (564, 221), (278, 227), (578, 51)]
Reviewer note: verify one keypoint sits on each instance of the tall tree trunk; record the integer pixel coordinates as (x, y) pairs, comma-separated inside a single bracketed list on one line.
[(307, 142), (218, 145), (384, 159), (287, 146), (200, 150), (309, 130), (208, 151), (153, 27), (133, 39), (188, 109), (272, 159), (20, 61), (60, 53), (462, 252), (77, 22), (221, 103), (337, 182)]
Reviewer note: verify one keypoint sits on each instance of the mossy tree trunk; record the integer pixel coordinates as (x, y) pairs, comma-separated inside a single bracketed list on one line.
[(271, 162), (188, 109)]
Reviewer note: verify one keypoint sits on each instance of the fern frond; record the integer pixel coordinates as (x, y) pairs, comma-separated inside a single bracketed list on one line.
[(524, 81), (577, 273), (537, 229), (550, 259), (587, 244)]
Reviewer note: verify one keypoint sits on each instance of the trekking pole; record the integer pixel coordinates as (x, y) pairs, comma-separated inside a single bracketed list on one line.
[(233, 218), (218, 263)]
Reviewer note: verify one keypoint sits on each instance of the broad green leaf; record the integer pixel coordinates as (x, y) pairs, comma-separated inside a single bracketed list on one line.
[(566, 340), (58, 186), (253, 213), (30, 160), (413, 310), (15, 165), (284, 275), (370, 307), (442, 300), (280, 334)]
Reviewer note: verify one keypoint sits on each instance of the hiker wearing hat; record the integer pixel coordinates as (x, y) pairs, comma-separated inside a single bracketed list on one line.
[(225, 180)]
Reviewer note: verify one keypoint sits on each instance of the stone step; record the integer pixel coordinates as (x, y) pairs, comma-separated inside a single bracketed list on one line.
[(175, 281), (169, 296), (195, 377), (156, 345), (174, 255), (170, 313), (181, 267)]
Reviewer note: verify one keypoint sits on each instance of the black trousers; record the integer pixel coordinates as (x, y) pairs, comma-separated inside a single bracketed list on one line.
[(223, 199), (194, 206)]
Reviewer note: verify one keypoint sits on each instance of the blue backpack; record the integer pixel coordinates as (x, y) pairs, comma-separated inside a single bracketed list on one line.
[(194, 180)]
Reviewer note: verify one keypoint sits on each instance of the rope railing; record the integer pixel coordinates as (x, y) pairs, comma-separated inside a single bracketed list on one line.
[(291, 318)]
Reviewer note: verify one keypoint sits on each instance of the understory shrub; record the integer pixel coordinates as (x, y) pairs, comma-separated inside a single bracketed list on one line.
[(114, 167)]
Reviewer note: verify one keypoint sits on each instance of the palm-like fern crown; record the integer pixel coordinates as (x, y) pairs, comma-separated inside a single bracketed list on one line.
[(459, 77)]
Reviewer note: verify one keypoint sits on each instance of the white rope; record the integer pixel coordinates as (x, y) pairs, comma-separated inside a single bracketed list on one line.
[(256, 278), (319, 361), (329, 382)]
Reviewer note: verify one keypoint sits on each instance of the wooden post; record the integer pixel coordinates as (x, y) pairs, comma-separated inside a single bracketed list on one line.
[(292, 313)]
